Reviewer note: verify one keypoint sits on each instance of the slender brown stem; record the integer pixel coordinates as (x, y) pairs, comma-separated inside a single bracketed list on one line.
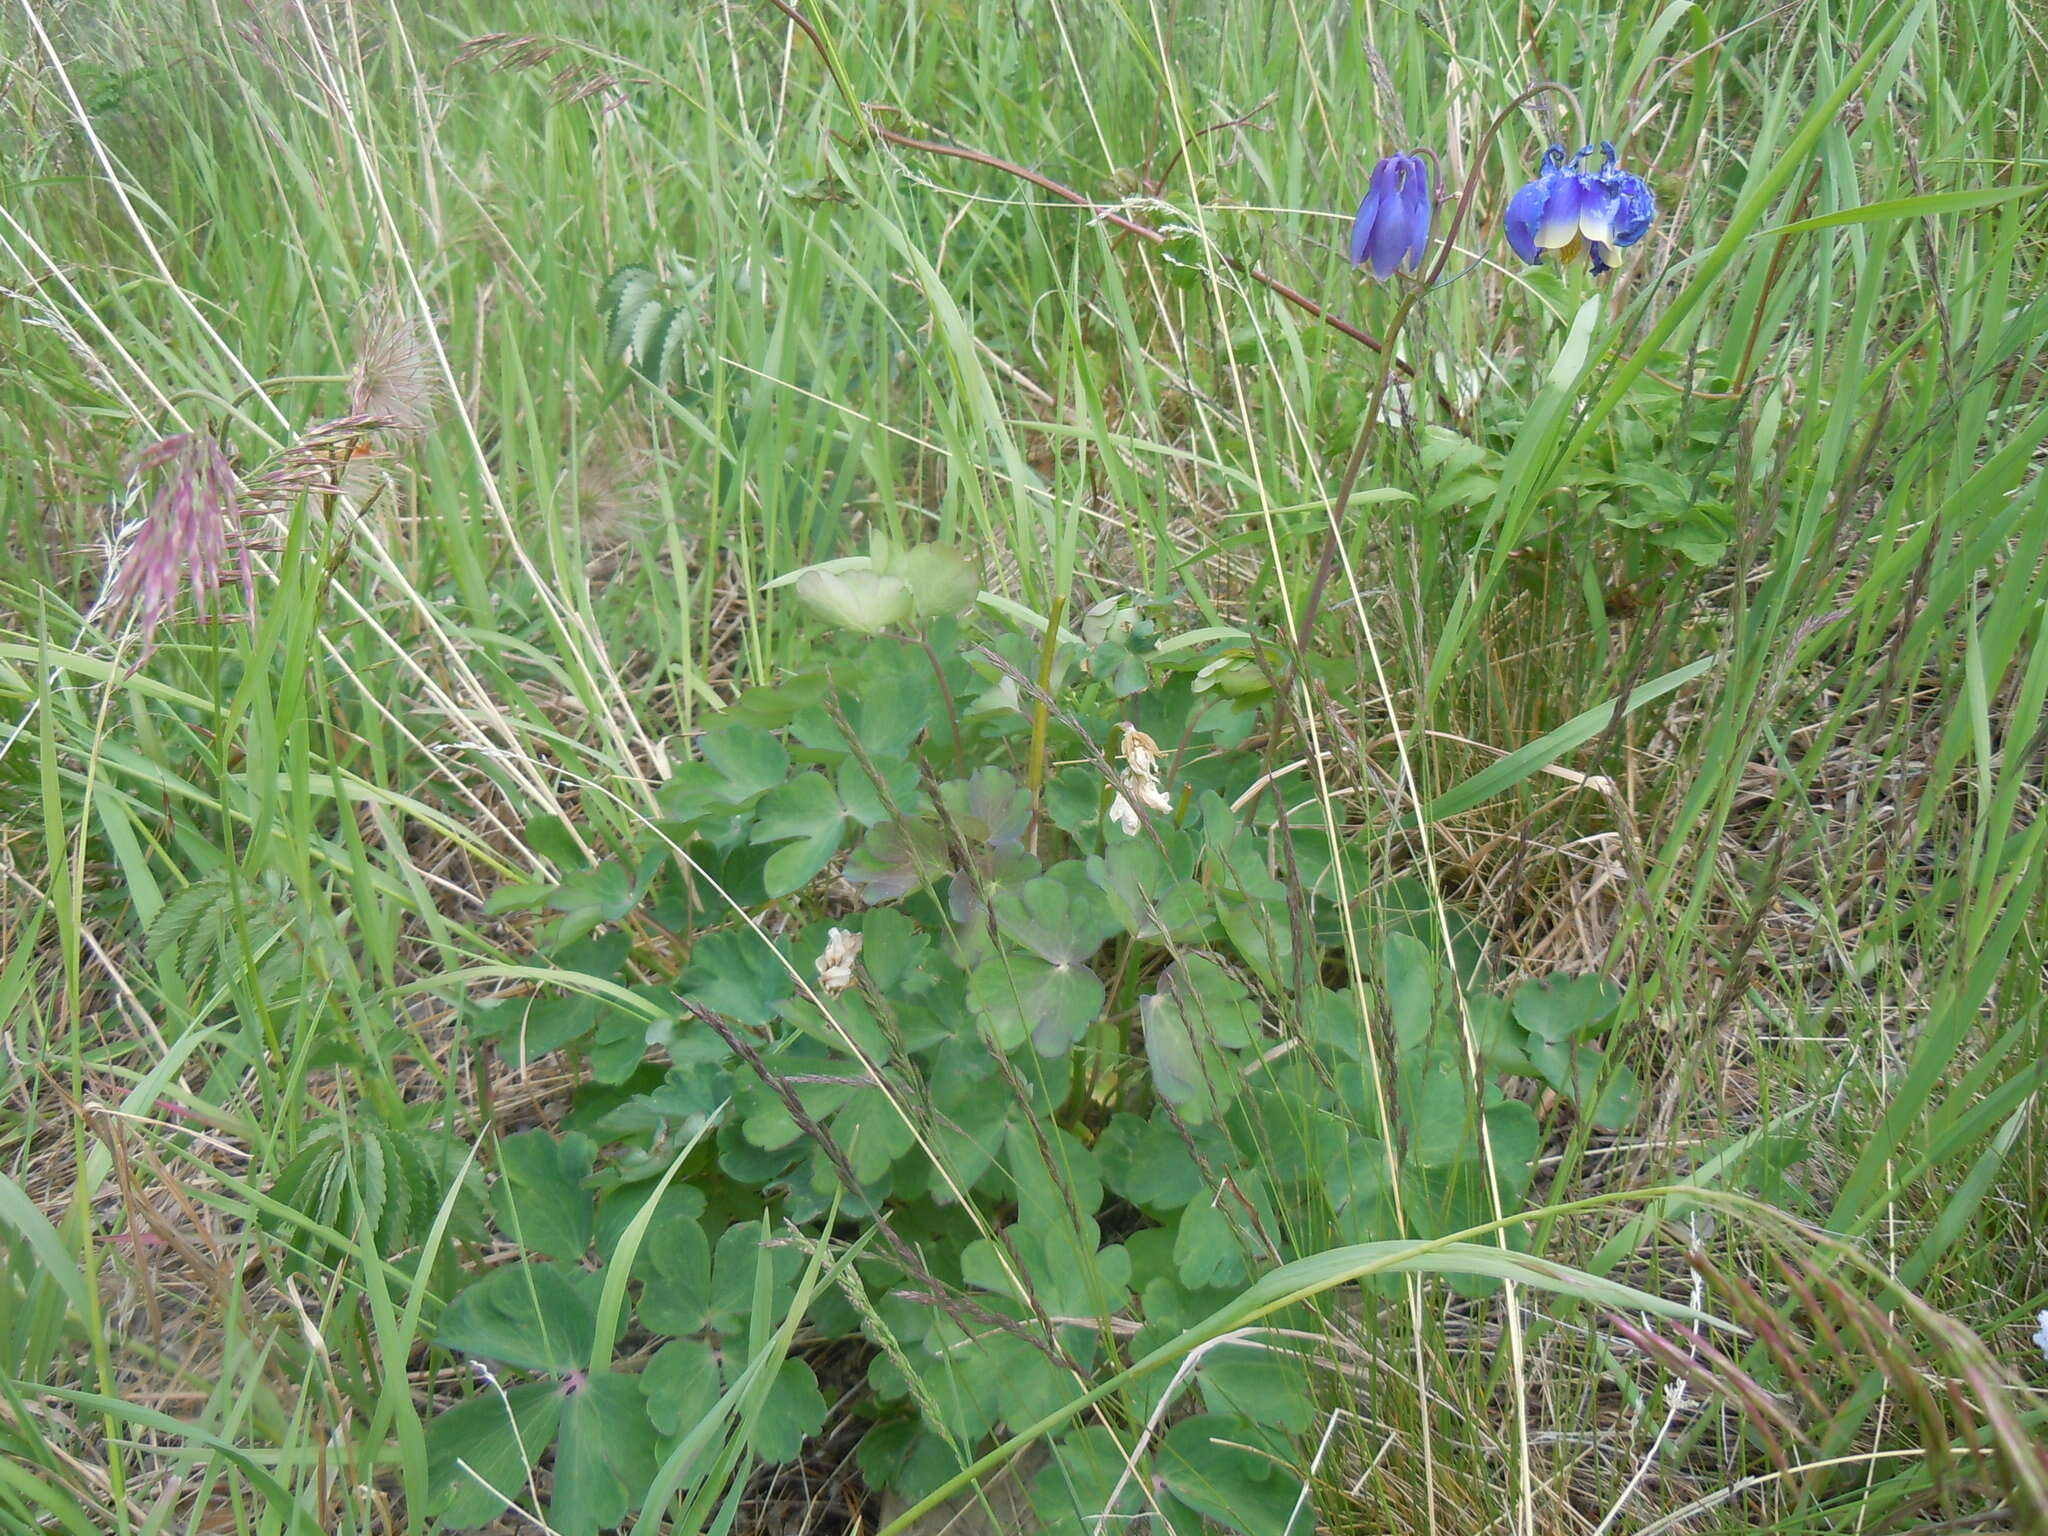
[(1144, 232), (1229, 122)]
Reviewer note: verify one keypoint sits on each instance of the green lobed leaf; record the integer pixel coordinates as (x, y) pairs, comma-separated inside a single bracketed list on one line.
[(1562, 1007), (1018, 995), (538, 1317), (1189, 1069), (748, 760), (606, 1457), (540, 1198), (682, 1384), (792, 1411), (1208, 1463), (480, 1453)]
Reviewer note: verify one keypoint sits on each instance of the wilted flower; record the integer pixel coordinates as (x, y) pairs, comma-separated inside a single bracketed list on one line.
[(1141, 764), (2041, 1338), (1140, 751), (1575, 212), (187, 536), (835, 965), (1392, 227)]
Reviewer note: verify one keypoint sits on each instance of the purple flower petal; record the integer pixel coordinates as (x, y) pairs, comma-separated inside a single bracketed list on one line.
[(1417, 206), (1525, 212), (1361, 228), (1392, 227), (1559, 226)]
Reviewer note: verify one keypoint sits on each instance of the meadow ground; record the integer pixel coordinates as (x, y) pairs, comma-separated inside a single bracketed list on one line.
[(753, 752)]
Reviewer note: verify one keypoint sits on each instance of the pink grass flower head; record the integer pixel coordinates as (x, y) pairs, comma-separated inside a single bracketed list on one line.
[(189, 534)]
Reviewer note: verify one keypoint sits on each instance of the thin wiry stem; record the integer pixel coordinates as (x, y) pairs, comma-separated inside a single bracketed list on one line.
[(1326, 565), (1107, 215)]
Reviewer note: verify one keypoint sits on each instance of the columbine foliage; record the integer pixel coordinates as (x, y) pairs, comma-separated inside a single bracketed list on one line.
[(1130, 1051)]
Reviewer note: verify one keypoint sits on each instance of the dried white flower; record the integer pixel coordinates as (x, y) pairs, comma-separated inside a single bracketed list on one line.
[(2041, 1338), (1141, 764), (835, 965), (1141, 753)]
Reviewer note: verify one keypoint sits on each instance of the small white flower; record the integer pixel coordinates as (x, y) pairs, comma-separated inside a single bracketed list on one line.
[(835, 965), (2041, 1338), (1125, 815)]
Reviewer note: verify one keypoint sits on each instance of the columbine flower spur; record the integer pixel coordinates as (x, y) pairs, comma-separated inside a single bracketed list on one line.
[(1575, 212), (1392, 227)]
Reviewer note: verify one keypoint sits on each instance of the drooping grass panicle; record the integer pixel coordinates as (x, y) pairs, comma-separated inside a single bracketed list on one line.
[(187, 539)]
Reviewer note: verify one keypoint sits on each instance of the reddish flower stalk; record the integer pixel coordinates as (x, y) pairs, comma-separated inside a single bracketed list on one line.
[(189, 534)]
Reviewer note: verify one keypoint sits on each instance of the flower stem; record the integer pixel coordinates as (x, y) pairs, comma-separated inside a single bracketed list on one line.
[(1326, 565)]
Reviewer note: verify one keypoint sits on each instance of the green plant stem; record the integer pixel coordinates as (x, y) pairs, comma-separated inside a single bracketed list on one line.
[(1327, 563), (1040, 710)]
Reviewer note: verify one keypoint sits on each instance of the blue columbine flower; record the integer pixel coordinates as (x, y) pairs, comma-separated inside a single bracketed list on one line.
[(1575, 212), (1392, 228)]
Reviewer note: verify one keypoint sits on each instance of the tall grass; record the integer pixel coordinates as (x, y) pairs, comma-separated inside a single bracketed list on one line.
[(1816, 863)]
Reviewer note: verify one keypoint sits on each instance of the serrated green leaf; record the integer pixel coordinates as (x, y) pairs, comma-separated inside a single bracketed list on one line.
[(372, 1188), (634, 333), (670, 358)]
